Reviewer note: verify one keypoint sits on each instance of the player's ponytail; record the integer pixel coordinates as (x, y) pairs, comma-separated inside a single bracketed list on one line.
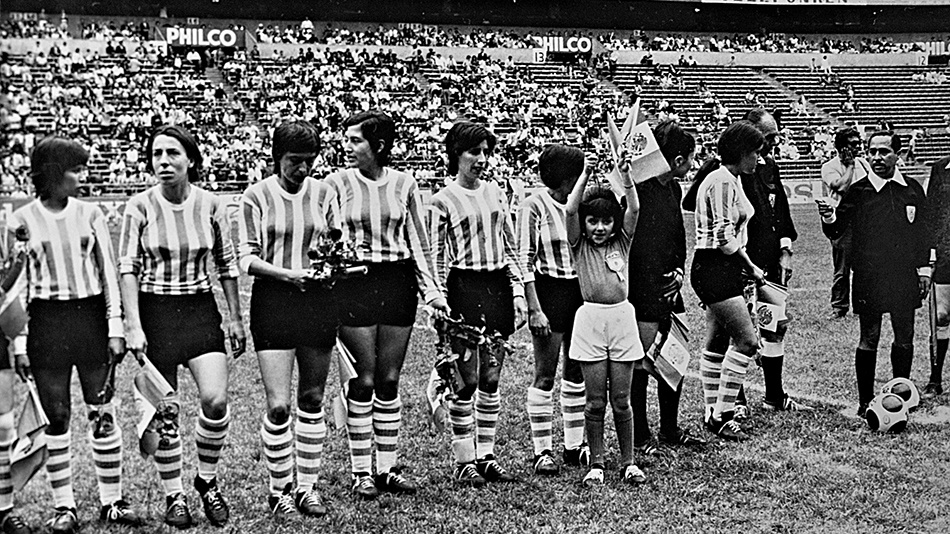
[(689, 199)]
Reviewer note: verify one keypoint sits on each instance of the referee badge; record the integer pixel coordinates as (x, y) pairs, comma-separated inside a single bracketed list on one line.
[(911, 213)]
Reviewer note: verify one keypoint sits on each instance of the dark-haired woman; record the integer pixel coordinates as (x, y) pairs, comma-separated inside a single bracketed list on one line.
[(293, 318), (474, 250), (75, 321), (657, 260), (170, 232), (719, 272), (382, 211)]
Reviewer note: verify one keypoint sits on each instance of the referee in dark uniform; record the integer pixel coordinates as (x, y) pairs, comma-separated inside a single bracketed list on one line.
[(891, 246)]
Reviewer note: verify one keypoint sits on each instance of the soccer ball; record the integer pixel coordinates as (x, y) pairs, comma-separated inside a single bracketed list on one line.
[(904, 389), (887, 413)]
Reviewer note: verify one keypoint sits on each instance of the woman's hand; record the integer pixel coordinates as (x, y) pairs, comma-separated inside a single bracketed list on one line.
[(673, 285), (538, 323), (117, 349), (135, 342), (298, 277), (237, 338), (521, 311), (440, 308), (757, 274)]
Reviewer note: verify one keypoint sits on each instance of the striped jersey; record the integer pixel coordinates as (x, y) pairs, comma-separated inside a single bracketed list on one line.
[(471, 230), (542, 238), (385, 219), (279, 227), (167, 245), (71, 255), (722, 212)]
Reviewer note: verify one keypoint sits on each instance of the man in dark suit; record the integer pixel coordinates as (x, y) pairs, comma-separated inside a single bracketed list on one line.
[(891, 242), (771, 233), (938, 195)]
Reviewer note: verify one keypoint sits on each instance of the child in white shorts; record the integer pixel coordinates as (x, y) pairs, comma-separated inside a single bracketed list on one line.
[(605, 336)]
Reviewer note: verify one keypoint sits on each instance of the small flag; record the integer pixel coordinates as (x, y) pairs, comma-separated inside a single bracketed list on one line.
[(151, 393), (345, 362), (770, 299), (637, 139), (29, 452), (672, 357), (13, 316)]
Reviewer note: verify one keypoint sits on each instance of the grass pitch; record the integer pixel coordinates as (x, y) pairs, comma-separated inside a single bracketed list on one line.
[(802, 472)]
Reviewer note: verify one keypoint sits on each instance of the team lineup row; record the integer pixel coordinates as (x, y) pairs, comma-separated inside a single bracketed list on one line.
[(596, 278)]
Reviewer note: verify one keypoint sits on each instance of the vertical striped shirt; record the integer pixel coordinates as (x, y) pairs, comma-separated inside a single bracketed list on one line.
[(280, 227), (385, 219), (542, 239), (167, 245), (71, 255), (471, 229), (722, 212)]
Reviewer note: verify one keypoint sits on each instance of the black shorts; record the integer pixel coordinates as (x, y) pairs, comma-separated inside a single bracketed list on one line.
[(6, 355), (560, 299), (67, 333), (179, 328), (648, 300), (716, 276), (284, 318), (387, 294), (474, 295)]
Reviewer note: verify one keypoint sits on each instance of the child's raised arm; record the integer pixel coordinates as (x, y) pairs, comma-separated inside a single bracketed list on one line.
[(575, 198), (630, 192)]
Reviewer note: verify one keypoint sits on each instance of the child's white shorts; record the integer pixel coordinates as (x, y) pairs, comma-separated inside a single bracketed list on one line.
[(606, 331)]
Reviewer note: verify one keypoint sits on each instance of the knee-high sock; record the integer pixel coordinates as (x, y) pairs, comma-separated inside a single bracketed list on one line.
[(865, 362), (8, 430), (902, 359), (623, 421), (572, 413), (387, 420), (168, 461), (773, 358), (310, 433), (278, 454), (487, 408), (463, 430), (107, 457), (638, 405), (60, 471), (540, 407), (710, 371), (594, 426), (210, 435), (669, 401), (936, 366), (734, 367), (359, 433)]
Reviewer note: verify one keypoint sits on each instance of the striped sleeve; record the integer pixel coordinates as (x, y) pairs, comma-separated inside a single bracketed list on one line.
[(130, 243), (511, 254), (722, 201), (222, 248), (528, 236), (441, 241), (105, 258), (250, 239), (419, 245), (331, 207)]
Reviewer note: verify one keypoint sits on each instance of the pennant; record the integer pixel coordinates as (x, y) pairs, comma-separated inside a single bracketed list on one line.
[(29, 452), (770, 300), (345, 363), (643, 151), (151, 393), (672, 357)]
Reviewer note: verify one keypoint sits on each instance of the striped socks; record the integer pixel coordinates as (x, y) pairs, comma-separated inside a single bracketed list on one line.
[(387, 419), (59, 470), (487, 408), (107, 457), (710, 371), (210, 435), (278, 455), (463, 430), (359, 432), (168, 459), (540, 407), (310, 432), (572, 413), (734, 367), (8, 431)]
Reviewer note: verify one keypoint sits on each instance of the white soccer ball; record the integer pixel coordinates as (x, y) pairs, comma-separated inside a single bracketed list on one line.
[(905, 389), (887, 413)]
